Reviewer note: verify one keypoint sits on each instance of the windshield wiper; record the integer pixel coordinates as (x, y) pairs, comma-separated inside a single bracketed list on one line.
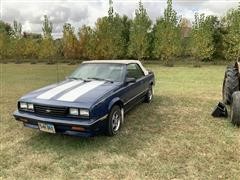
[(100, 79), (75, 78)]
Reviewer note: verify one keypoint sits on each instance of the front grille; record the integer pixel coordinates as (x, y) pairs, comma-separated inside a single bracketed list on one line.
[(50, 110)]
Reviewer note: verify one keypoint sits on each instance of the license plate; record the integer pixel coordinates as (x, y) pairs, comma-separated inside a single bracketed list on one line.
[(46, 127)]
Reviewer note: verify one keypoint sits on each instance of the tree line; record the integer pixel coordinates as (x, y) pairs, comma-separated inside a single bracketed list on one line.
[(119, 37)]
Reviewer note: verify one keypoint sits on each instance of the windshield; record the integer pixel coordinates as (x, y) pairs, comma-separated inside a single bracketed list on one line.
[(104, 71)]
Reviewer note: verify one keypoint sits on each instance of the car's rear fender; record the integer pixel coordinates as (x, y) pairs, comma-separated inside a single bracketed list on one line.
[(151, 78)]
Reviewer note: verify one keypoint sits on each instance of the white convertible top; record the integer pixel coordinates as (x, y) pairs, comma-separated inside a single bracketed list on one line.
[(119, 62)]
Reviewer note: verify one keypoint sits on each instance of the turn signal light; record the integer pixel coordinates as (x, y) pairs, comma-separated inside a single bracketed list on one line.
[(78, 128), (23, 120)]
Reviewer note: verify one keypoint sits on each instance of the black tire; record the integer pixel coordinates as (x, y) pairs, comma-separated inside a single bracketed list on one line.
[(235, 109), (230, 84), (114, 121), (149, 95)]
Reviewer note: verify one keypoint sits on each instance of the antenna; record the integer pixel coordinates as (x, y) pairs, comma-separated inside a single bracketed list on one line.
[(57, 72)]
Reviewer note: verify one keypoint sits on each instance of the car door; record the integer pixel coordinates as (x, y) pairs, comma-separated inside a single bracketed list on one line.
[(134, 91)]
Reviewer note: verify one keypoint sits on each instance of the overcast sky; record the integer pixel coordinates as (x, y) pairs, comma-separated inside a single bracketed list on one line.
[(78, 12)]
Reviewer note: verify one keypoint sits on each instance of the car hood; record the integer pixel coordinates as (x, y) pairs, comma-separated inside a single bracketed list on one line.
[(72, 93)]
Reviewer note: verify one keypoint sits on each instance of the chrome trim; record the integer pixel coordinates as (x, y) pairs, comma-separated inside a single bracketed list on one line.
[(24, 115), (135, 97), (102, 118)]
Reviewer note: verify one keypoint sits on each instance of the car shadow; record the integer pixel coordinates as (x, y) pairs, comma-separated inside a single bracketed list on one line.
[(141, 124)]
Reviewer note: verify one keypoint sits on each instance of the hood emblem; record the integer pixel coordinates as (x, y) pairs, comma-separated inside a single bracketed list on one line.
[(48, 110)]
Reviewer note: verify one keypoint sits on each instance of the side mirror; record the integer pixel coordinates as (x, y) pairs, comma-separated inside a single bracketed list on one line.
[(130, 80)]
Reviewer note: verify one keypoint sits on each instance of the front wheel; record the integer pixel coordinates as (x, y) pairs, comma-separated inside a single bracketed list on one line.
[(235, 109), (114, 121), (149, 95)]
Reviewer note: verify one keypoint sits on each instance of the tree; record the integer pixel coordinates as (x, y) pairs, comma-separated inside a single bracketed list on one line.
[(201, 45), (4, 41), (31, 49), (5, 28), (185, 31), (47, 27), (110, 10), (217, 36), (139, 44), (17, 48), (5, 33), (47, 50), (185, 27), (87, 43), (110, 36), (69, 42), (32, 35), (232, 36), (126, 32), (17, 29), (59, 48), (167, 42)]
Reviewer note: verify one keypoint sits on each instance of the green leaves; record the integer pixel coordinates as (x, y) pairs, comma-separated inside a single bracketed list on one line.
[(47, 27), (167, 42), (69, 42), (110, 42), (87, 45), (17, 29), (109, 39), (201, 43), (118, 37), (139, 45), (47, 48), (232, 37)]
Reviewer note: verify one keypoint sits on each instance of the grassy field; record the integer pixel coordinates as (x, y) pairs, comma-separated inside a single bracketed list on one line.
[(174, 137)]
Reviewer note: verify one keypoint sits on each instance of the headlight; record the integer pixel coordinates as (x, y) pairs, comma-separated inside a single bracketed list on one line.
[(74, 111), (84, 112), (26, 106), (30, 106), (79, 112), (23, 105)]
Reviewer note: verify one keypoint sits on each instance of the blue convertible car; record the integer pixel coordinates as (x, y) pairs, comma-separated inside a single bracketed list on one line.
[(93, 99)]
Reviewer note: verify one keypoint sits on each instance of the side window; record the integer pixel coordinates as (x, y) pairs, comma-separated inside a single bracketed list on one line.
[(134, 71)]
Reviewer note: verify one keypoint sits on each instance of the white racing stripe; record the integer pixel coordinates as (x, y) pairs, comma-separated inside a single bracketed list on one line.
[(79, 91), (53, 92)]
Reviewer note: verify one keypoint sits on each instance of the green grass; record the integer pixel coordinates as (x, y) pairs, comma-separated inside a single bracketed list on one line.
[(174, 137)]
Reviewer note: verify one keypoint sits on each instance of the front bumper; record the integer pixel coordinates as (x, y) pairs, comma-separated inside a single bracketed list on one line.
[(62, 125)]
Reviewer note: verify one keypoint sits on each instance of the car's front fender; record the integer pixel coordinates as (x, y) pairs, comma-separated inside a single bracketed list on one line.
[(114, 101)]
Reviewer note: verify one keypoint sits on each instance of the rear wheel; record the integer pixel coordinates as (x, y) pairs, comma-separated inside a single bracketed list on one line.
[(114, 121), (230, 84), (235, 108)]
